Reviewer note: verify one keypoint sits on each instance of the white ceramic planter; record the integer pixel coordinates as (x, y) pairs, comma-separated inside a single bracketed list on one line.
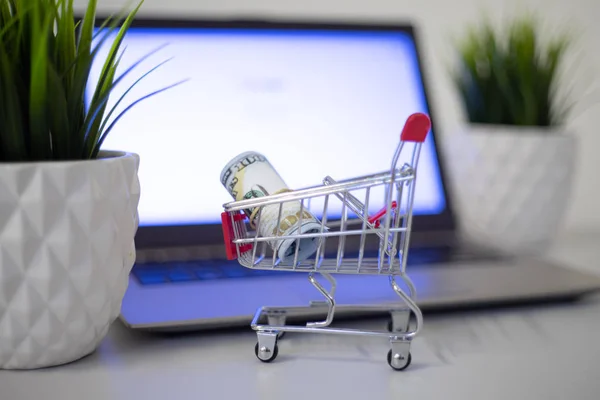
[(66, 249), (513, 184)]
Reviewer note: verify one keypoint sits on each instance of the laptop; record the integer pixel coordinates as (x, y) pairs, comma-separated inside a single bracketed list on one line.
[(317, 99)]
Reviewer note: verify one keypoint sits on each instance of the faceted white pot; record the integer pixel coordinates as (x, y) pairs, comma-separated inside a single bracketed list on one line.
[(513, 184), (66, 249)]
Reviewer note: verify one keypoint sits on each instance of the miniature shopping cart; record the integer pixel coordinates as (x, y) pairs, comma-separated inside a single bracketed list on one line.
[(380, 237)]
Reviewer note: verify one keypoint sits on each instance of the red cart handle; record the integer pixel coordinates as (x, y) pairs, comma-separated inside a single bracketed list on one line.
[(416, 128)]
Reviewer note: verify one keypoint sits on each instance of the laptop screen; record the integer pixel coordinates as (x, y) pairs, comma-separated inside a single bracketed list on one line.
[(315, 102)]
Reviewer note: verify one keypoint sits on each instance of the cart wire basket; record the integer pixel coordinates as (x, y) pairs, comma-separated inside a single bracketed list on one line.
[(365, 227)]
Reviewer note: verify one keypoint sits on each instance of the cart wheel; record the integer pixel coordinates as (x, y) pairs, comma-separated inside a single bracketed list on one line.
[(398, 366), (269, 356)]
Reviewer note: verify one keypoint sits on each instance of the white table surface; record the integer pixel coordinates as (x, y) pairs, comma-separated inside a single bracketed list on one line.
[(542, 352)]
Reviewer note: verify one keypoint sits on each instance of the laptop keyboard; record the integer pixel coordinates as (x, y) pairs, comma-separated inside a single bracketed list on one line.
[(179, 272), (174, 272)]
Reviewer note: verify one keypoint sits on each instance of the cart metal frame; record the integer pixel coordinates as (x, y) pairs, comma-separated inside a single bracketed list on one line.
[(390, 227)]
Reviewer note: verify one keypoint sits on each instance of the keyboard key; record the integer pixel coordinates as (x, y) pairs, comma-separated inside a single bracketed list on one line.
[(150, 277), (209, 273), (235, 271), (181, 275)]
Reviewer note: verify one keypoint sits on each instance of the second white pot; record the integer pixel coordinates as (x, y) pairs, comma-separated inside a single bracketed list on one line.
[(512, 184)]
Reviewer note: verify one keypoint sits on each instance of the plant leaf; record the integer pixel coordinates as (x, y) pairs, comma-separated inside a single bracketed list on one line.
[(110, 127), (132, 85), (46, 58), (41, 145), (511, 77), (12, 145), (59, 117), (105, 82)]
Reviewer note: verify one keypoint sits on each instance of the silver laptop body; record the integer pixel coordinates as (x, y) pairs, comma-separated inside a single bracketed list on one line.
[(268, 77)]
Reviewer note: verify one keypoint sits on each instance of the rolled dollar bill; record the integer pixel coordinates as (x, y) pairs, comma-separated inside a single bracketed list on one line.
[(250, 175)]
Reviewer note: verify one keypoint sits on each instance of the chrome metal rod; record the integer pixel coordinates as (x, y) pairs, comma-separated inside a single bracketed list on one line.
[(411, 304), (297, 249), (410, 201), (342, 239), (411, 286), (361, 251), (330, 302), (236, 232), (322, 240), (400, 222), (392, 243), (332, 282), (312, 235), (388, 201), (332, 331), (387, 222), (255, 243), (316, 191), (278, 232)]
